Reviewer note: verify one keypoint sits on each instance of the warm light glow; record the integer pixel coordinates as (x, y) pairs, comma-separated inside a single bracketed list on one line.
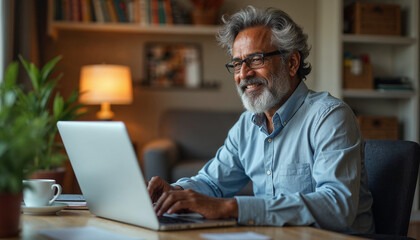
[(106, 84)]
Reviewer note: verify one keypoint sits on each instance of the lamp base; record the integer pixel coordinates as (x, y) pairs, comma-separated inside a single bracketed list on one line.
[(105, 114)]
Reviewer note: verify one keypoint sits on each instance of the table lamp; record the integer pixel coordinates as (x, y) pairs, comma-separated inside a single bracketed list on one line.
[(105, 85)]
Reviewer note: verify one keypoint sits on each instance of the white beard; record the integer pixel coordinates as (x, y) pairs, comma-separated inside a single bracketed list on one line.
[(269, 97)]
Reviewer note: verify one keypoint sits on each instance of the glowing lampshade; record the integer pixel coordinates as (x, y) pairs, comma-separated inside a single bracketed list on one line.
[(105, 84)]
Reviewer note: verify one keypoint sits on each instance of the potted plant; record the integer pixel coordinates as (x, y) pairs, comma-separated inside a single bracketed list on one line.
[(20, 134), (42, 99), (205, 11)]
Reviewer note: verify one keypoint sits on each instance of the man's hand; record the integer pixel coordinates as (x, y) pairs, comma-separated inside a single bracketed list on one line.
[(157, 186), (188, 200)]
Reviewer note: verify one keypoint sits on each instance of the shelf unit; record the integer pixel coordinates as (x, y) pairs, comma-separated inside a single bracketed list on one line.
[(375, 39), (391, 56), (55, 26), (378, 94)]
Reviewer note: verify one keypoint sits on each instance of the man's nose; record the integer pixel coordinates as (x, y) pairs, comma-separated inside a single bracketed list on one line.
[(245, 71)]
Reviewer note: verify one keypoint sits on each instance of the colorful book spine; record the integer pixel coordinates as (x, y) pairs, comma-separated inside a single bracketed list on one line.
[(67, 10), (154, 12), (86, 11), (112, 11), (168, 12), (75, 10), (105, 11), (144, 12), (119, 10), (161, 12), (99, 16)]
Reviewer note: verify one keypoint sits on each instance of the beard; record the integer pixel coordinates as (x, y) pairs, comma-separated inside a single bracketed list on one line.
[(271, 94)]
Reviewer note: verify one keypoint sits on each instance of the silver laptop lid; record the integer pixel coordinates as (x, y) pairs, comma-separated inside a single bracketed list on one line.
[(108, 172)]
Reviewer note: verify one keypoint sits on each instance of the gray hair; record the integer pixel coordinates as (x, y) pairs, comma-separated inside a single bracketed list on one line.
[(287, 35)]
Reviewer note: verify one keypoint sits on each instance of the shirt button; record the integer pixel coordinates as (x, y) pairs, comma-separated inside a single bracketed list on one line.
[(284, 123), (269, 140), (268, 172), (251, 222)]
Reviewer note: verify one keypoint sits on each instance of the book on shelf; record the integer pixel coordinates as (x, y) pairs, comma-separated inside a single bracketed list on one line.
[(143, 12), (121, 10), (393, 83), (389, 87), (86, 11), (98, 11), (75, 10), (105, 11), (154, 11), (112, 11)]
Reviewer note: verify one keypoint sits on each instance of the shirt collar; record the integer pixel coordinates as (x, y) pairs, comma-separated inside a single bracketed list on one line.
[(287, 110)]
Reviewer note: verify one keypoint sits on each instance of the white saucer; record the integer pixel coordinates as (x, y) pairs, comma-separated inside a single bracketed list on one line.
[(56, 207)]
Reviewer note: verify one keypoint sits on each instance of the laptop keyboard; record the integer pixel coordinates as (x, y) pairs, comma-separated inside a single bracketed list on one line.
[(166, 220)]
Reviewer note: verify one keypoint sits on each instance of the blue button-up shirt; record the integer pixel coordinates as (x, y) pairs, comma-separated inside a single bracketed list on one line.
[(308, 171)]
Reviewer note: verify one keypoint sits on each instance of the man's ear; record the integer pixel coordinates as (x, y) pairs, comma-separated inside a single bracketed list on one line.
[(294, 63)]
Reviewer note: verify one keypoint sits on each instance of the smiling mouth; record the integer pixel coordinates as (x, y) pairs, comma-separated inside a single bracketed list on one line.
[(251, 87)]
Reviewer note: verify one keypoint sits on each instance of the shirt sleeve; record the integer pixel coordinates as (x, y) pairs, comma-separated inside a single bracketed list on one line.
[(333, 205)]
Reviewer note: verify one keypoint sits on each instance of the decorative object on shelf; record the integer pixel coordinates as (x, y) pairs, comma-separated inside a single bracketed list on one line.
[(173, 65), (378, 127), (205, 12), (357, 72), (106, 84), (20, 134), (373, 18), (44, 100)]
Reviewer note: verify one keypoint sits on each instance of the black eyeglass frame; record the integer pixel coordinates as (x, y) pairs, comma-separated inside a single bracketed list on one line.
[(229, 65)]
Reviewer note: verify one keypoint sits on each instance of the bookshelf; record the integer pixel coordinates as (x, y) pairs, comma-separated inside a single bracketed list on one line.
[(55, 26)]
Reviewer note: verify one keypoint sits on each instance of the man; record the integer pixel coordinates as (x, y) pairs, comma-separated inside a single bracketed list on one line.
[(302, 150)]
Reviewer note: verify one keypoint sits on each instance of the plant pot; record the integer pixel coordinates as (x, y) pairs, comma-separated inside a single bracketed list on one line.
[(10, 214), (56, 174), (204, 16)]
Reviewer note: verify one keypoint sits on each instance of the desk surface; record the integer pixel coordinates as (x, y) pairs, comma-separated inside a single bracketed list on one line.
[(30, 225)]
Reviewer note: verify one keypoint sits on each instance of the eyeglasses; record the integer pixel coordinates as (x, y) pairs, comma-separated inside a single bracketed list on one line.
[(252, 61)]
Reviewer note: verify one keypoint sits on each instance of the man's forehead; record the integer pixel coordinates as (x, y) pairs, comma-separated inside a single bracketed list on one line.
[(252, 40)]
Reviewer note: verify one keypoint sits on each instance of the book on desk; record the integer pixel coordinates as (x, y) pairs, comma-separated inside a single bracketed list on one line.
[(74, 201)]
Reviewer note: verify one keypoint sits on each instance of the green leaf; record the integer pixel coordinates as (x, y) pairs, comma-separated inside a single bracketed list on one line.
[(45, 93), (48, 68), (58, 106), (3, 148), (11, 74), (32, 71)]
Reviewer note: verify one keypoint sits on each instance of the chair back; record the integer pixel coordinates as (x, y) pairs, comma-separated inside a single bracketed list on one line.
[(392, 168)]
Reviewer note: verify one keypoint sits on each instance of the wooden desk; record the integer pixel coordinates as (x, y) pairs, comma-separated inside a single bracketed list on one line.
[(30, 225)]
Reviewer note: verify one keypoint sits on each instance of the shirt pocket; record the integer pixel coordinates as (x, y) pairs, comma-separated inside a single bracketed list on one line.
[(294, 178)]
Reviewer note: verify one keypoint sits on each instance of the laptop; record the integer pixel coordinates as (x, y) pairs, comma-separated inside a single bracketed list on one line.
[(109, 175)]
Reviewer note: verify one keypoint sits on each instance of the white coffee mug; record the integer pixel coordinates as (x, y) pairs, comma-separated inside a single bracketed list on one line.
[(40, 192)]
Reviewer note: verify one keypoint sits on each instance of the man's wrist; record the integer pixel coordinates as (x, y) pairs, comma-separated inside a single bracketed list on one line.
[(177, 187), (232, 208)]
